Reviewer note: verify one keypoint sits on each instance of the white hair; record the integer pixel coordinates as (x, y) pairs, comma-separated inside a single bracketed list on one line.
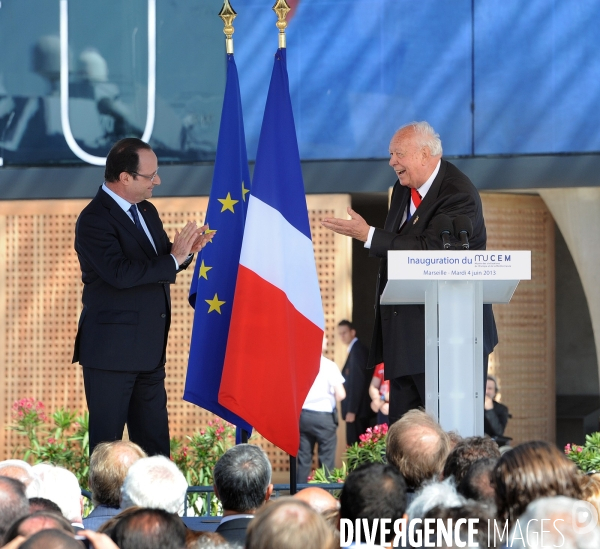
[(560, 529), (60, 486), (435, 494), (28, 476), (427, 136), (154, 482)]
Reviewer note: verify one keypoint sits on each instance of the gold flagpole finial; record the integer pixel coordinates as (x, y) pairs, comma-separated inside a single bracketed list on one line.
[(227, 14), (281, 9)]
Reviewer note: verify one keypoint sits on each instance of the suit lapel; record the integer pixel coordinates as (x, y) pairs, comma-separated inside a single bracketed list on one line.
[(117, 213), (155, 230), (398, 206)]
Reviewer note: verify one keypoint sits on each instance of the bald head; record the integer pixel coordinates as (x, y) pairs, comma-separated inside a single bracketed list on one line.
[(318, 499)]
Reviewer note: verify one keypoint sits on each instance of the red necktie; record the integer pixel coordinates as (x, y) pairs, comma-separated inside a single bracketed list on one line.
[(416, 197)]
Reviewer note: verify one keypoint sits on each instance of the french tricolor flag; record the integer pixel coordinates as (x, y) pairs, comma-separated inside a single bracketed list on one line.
[(276, 331)]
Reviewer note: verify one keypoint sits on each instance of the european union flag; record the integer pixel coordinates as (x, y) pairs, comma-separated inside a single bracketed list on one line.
[(213, 285)]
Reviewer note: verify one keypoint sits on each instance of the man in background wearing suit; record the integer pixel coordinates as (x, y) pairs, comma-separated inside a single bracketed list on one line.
[(127, 264), (427, 186), (356, 407)]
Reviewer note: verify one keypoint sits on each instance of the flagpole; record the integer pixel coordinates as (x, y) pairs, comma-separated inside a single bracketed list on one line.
[(228, 14), (281, 9)]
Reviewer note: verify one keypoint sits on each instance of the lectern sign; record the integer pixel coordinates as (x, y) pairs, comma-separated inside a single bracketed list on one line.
[(459, 265)]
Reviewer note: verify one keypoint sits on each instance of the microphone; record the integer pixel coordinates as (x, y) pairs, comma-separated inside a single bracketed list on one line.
[(463, 229), (442, 225)]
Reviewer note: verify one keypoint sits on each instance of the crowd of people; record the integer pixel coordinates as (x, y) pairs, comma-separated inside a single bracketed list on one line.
[(528, 496)]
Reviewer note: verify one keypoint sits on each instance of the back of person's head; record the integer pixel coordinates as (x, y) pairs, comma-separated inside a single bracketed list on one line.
[(530, 471), (108, 526), (291, 524), (204, 540), (51, 539), (556, 521), (242, 478), (43, 504), (21, 470), (320, 500), (13, 503), (373, 490), (434, 494), (451, 515), (149, 529), (109, 464), (62, 487), (466, 452), (417, 446), (590, 489), (36, 522), (154, 482), (477, 482), (123, 157)]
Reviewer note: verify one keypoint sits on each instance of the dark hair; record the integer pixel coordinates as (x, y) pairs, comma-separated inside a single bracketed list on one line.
[(51, 539), (530, 471), (346, 323), (409, 449), (43, 504), (123, 157), (242, 476), (466, 452), (13, 503), (149, 529), (61, 523), (373, 490), (108, 469), (477, 481)]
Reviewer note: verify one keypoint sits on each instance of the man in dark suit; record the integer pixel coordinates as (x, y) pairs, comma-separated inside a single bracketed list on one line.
[(242, 482), (427, 187), (127, 264), (356, 407)]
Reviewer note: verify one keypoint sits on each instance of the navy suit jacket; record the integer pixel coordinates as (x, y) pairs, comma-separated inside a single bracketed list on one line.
[(234, 531), (399, 333), (356, 382), (126, 301)]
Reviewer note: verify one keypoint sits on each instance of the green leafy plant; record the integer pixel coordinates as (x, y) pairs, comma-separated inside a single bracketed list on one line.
[(586, 457), (61, 439), (370, 449), (198, 456)]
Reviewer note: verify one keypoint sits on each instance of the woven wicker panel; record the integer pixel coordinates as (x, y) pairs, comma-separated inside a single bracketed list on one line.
[(40, 294), (524, 360)]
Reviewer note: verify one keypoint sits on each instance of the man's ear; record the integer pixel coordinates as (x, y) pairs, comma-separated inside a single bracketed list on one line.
[(269, 492)]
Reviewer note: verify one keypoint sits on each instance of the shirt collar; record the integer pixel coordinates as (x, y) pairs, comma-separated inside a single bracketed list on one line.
[(424, 188), (234, 517), (123, 204)]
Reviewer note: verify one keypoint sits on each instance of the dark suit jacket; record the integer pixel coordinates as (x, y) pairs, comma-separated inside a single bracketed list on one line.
[(356, 382), (234, 531), (495, 420), (126, 302), (99, 516), (399, 334)]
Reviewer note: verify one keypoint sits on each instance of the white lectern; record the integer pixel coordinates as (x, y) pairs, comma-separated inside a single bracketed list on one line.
[(454, 285)]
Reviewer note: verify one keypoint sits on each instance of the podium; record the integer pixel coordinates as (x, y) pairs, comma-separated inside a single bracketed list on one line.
[(453, 285)]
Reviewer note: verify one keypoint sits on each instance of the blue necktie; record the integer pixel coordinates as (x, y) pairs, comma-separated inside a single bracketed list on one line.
[(136, 218)]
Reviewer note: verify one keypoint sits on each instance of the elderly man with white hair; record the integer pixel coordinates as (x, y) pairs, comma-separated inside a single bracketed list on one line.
[(154, 482), (21, 470), (62, 487)]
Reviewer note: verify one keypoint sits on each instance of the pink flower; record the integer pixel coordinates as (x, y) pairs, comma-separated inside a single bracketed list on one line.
[(51, 440), (567, 449)]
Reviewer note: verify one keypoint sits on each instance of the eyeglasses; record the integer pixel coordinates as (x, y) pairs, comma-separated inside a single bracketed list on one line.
[(150, 177)]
